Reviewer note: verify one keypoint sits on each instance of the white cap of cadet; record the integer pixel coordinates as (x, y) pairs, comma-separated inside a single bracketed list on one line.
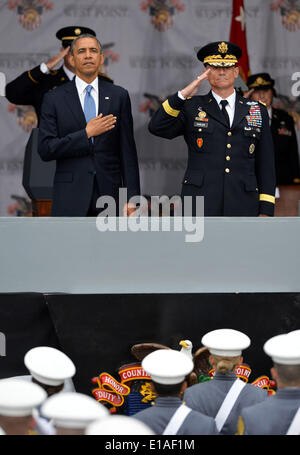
[(167, 366), (73, 410), (118, 425), (49, 365), (18, 398), (226, 342), (284, 349)]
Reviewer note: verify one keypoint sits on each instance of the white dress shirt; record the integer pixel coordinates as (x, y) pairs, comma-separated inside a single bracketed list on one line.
[(81, 89), (230, 107), (270, 115), (68, 73)]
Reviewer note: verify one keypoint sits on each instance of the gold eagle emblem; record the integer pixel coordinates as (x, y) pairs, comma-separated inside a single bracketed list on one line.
[(222, 48)]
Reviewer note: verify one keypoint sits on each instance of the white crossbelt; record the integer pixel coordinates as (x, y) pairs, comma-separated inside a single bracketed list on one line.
[(228, 403), (177, 420), (294, 428), (42, 425)]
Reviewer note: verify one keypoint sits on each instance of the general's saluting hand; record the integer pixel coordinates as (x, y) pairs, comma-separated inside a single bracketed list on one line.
[(194, 86), (100, 125), (57, 58)]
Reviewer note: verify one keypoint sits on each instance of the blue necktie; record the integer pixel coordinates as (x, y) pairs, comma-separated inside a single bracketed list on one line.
[(89, 105)]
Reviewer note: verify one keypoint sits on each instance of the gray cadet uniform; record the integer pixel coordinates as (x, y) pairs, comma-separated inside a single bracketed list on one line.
[(169, 416), (158, 416), (280, 414), (224, 396), (273, 416), (208, 397)]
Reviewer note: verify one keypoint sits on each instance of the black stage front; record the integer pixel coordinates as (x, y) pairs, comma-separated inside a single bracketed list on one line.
[(97, 331)]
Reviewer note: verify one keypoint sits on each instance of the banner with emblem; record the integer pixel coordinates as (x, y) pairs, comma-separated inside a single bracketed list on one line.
[(149, 49), (110, 390), (132, 394)]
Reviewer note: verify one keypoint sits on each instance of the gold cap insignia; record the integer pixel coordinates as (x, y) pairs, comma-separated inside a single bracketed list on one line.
[(222, 48), (77, 31), (259, 81)]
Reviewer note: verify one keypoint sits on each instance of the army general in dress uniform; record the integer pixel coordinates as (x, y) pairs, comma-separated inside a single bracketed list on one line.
[(230, 148), (30, 87)]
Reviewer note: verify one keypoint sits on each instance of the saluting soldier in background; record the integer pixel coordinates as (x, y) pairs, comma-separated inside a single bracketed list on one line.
[(30, 87), (280, 414), (261, 87), (230, 149), (225, 395)]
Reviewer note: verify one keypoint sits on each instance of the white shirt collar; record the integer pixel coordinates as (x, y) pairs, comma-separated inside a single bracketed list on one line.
[(81, 85), (69, 73), (270, 112), (231, 99)]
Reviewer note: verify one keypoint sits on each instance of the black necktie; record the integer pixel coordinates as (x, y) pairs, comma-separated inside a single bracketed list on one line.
[(225, 113)]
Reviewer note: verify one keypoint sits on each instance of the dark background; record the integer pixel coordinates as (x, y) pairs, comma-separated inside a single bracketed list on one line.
[(97, 331)]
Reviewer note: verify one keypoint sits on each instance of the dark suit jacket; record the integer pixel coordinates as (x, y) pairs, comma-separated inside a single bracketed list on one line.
[(112, 158), (232, 167)]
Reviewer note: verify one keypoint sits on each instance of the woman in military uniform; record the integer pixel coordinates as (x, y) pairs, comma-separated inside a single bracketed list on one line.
[(261, 87)]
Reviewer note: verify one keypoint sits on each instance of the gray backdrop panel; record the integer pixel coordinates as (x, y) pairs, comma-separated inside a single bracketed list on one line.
[(70, 255)]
